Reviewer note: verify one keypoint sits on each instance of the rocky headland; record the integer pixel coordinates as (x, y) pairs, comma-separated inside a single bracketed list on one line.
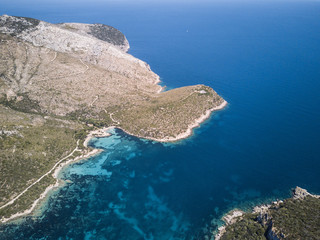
[(58, 83), (294, 218)]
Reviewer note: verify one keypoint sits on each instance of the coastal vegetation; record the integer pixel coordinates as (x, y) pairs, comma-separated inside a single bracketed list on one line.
[(293, 218), (297, 218), (170, 113), (30, 146), (246, 228)]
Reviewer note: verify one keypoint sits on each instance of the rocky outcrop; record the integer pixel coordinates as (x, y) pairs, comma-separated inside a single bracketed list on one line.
[(233, 216), (229, 219), (17, 25), (300, 193)]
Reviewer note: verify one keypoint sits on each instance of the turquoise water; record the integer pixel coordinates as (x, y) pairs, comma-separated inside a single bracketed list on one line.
[(263, 58)]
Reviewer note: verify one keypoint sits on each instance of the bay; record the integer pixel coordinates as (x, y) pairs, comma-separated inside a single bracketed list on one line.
[(263, 58)]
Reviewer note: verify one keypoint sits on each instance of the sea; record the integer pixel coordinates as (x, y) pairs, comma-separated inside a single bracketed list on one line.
[(263, 57)]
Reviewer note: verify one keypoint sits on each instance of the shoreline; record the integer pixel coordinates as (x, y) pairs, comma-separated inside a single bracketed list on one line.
[(102, 132), (235, 214), (188, 132), (56, 171), (229, 218)]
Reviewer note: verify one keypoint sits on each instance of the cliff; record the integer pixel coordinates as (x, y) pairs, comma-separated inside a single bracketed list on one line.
[(60, 81)]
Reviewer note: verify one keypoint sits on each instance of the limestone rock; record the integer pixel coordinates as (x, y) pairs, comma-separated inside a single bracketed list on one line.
[(300, 193)]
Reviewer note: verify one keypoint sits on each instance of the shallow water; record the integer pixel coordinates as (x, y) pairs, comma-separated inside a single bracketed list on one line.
[(262, 58)]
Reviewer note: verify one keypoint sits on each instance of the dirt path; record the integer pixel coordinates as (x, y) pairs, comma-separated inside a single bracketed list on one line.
[(54, 58), (47, 173)]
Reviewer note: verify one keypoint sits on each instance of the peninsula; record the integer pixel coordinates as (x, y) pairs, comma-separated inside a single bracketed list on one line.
[(58, 83)]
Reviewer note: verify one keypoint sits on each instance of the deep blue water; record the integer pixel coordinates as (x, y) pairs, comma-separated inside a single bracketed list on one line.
[(263, 58)]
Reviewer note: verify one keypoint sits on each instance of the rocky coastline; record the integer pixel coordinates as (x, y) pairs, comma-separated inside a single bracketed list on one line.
[(275, 221)]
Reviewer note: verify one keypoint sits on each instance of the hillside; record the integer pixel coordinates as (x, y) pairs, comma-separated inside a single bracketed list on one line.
[(60, 81)]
